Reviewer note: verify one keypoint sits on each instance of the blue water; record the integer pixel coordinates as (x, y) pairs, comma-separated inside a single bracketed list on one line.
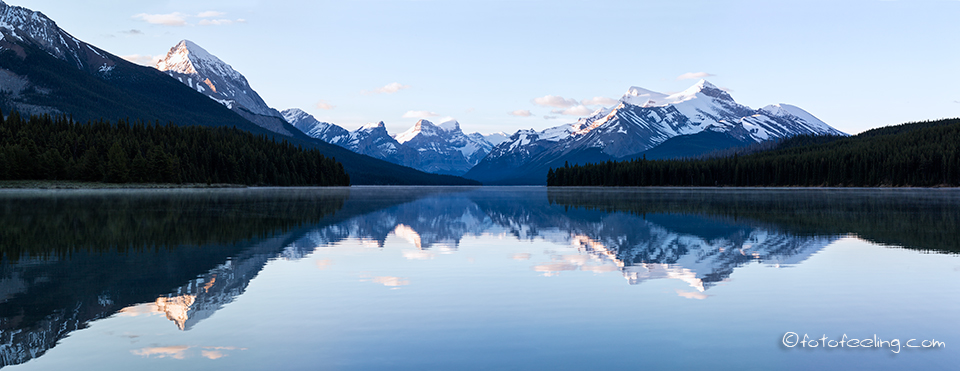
[(516, 278)]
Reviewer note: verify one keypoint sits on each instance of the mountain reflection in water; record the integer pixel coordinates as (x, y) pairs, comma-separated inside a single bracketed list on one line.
[(70, 258)]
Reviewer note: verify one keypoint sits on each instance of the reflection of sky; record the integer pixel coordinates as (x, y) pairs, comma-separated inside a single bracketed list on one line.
[(531, 290), (499, 312), (639, 249), (184, 351)]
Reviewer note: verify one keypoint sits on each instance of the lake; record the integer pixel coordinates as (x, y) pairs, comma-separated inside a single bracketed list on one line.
[(480, 278)]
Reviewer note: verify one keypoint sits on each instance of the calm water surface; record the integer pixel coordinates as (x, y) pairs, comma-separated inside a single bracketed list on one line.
[(524, 278)]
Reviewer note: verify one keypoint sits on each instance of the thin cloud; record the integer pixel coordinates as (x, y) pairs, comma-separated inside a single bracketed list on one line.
[(143, 60), (325, 105), (521, 113), (133, 32), (215, 22), (550, 117), (171, 19), (209, 18), (211, 14), (580, 110), (694, 75), (390, 88), (555, 101), (419, 114), (599, 101)]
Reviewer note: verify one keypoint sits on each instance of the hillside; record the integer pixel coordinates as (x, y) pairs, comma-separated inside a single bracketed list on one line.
[(58, 149), (45, 70), (923, 154)]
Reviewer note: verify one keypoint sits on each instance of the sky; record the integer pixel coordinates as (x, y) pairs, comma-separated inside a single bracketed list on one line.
[(504, 65)]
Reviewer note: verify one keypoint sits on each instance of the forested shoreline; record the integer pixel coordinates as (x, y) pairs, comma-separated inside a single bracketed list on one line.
[(923, 154), (57, 148)]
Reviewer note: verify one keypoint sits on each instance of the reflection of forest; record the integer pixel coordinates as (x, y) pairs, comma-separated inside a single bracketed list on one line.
[(920, 219), (73, 257), (36, 223), (70, 258)]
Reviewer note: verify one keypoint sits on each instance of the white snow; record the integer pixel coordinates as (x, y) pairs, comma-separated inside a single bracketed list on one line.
[(786, 110), (371, 126), (641, 97), (658, 117), (417, 129), (496, 138), (450, 125), (94, 50)]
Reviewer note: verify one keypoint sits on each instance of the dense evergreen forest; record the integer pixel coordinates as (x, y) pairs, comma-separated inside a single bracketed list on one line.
[(57, 148), (923, 154)]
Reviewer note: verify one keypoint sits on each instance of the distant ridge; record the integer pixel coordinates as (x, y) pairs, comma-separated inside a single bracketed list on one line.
[(641, 121), (45, 70), (925, 154)]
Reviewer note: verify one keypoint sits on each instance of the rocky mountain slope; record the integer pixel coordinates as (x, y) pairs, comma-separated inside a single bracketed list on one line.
[(641, 121), (194, 66), (441, 149)]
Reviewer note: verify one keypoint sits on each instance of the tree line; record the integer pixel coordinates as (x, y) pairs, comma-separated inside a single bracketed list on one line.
[(922, 154), (58, 148)]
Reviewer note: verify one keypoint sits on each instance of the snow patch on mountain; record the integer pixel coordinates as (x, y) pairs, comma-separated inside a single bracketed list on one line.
[(34, 27), (643, 120), (442, 148), (204, 72)]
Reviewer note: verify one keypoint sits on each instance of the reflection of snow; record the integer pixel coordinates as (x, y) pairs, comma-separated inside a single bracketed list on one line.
[(697, 250), (183, 351), (418, 255), (391, 281)]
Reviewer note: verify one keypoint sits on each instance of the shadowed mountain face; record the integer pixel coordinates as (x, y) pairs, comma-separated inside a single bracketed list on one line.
[(45, 70), (75, 257), (70, 258)]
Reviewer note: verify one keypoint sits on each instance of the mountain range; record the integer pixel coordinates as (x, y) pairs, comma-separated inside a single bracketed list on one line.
[(441, 149), (691, 123), (694, 122), (45, 70)]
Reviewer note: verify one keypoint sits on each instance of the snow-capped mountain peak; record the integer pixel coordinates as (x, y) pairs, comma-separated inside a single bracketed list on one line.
[(790, 111), (207, 74), (25, 25), (495, 138), (450, 125), (293, 115), (703, 87), (189, 58), (373, 126), (641, 97), (424, 127), (643, 120)]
